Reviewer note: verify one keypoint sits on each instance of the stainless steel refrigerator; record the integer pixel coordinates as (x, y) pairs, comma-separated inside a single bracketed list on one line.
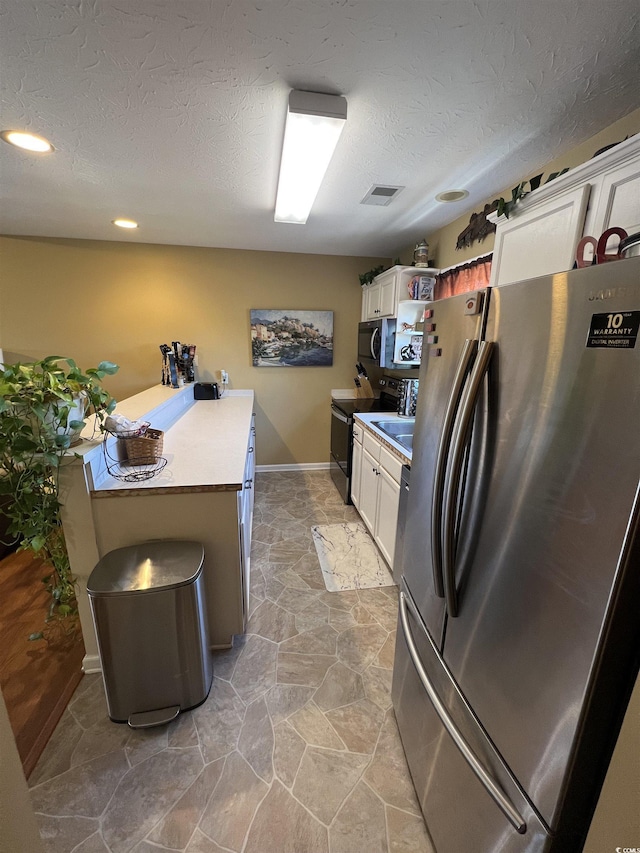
[(519, 632)]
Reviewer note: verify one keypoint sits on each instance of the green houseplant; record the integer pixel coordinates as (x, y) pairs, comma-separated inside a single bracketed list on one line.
[(367, 277), (43, 406)]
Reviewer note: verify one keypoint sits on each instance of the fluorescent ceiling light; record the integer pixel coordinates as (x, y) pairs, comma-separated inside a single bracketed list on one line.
[(28, 141), (313, 127), (125, 223)]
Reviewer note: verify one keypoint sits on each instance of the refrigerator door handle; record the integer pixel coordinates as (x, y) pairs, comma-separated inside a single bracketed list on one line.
[(503, 803), (462, 370), (459, 443)]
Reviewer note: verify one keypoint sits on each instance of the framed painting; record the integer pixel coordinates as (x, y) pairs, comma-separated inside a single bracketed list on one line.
[(291, 338)]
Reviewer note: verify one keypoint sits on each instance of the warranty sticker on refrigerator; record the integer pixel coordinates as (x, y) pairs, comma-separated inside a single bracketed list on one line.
[(614, 331)]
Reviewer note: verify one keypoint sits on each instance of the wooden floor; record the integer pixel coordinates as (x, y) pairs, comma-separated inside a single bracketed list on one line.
[(36, 678)]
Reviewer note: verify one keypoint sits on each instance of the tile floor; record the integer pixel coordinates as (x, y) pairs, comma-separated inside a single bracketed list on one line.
[(296, 749)]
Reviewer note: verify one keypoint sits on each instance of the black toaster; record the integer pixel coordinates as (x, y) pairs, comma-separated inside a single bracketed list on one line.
[(206, 391)]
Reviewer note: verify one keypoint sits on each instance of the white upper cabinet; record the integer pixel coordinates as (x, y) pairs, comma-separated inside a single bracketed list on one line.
[(542, 234), (541, 239), (381, 297), (371, 301), (615, 200)]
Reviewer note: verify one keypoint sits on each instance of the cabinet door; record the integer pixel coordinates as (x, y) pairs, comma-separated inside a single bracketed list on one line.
[(388, 297), (372, 301), (387, 515), (356, 467), (250, 473), (368, 490), (245, 510), (618, 200), (541, 239)]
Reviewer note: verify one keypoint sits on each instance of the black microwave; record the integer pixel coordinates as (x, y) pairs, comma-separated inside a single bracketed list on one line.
[(375, 342)]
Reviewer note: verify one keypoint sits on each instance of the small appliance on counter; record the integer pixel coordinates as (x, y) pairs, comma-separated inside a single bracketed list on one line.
[(407, 397), (206, 391)]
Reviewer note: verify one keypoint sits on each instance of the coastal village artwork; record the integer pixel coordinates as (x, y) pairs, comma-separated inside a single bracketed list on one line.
[(291, 338)]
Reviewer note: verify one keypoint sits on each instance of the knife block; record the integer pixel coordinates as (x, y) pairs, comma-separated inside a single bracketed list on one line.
[(365, 389)]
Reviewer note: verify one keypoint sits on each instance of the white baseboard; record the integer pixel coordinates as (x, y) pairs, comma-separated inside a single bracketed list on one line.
[(91, 663), (301, 466)]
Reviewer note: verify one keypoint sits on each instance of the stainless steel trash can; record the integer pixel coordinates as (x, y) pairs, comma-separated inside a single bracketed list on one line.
[(150, 618)]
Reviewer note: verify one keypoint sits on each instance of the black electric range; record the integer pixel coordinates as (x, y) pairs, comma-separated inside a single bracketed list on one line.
[(357, 406), (342, 412)]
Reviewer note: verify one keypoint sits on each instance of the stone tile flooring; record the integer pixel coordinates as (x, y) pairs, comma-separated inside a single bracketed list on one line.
[(296, 749)]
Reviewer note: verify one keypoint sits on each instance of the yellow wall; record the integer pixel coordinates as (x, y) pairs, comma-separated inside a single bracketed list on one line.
[(95, 300), (98, 300), (442, 243)]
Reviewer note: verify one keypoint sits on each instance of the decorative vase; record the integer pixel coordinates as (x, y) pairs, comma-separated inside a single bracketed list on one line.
[(421, 254)]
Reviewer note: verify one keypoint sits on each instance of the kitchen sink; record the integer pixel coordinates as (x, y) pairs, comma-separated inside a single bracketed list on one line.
[(400, 431)]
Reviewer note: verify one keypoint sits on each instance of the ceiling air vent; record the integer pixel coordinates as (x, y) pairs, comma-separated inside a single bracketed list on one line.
[(381, 195)]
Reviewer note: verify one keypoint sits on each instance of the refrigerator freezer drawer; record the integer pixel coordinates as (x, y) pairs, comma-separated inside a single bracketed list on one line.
[(460, 810)]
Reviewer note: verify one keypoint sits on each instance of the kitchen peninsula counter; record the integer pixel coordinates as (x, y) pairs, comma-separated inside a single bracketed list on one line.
[(204, 493), (205, 449)]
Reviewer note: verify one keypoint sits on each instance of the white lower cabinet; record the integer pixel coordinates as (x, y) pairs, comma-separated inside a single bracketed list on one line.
[(369, 490), (245, 513), (387, 514), (356, 464), (379, 493)]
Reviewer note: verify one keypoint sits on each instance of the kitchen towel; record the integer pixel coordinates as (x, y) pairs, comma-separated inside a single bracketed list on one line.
[(349, 558)]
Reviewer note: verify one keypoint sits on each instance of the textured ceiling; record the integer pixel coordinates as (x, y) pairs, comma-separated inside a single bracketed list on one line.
[(171, 112)]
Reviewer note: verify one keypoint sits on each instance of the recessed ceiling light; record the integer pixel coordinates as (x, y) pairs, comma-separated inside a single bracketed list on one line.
[(125, 223), (452, 195), (28, 141)]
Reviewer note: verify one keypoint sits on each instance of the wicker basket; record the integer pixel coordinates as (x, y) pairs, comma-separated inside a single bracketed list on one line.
[(142, 450)]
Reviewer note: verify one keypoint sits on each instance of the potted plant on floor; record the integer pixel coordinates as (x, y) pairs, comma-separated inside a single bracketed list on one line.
[(43, 407)]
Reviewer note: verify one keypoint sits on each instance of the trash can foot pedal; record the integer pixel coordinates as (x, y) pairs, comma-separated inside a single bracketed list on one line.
[(147, 719)]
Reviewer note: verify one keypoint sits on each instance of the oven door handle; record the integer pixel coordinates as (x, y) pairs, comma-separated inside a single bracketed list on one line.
[(340, 415)]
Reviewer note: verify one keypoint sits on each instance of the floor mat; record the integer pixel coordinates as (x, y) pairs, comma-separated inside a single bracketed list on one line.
[(349, 558)]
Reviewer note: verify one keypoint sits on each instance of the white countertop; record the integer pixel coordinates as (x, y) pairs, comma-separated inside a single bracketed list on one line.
[(205, 441), (367, 419), (160, 404)]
